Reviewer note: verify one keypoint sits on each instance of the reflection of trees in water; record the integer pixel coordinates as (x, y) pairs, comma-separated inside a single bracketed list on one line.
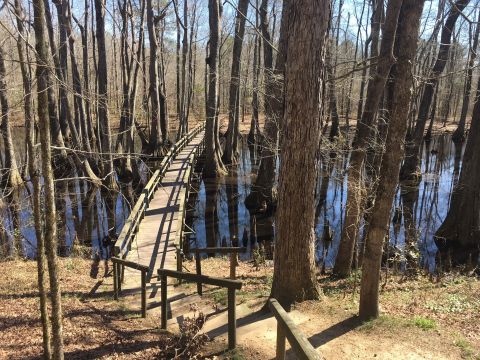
[(86, 214)]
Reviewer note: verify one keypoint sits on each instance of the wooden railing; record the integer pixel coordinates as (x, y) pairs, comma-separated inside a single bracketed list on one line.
[(118, 268), (232, 251), (231, 285), (130, 229), (286, 329), (179, 235)]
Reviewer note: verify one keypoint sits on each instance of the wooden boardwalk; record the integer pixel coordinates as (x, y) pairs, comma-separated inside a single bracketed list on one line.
[(154, 244), (151, 235)]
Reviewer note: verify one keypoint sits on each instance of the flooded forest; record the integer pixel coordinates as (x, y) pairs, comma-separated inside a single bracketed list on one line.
[(342, 137)]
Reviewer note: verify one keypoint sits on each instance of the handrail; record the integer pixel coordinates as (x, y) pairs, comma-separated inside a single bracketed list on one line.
[(178, 242), (286, 328), (233, 251), (231, 285), (118, 265)]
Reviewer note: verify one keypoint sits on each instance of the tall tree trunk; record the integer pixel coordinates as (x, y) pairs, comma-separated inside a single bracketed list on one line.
[(412, 151), (405, 49), (13, 177), (50, 225), (35, 178), (254, 124), (356, 185), (294, 272), (214, 164), (155, 133), (231, 146), (103, 117)]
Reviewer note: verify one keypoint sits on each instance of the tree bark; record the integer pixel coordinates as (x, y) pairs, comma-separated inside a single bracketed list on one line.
[(294, 272), (405, 49)]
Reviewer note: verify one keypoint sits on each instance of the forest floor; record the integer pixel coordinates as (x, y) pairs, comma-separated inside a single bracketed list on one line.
[(420, 319)]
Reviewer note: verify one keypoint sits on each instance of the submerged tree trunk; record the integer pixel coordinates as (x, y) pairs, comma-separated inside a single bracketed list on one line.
[(458, 236), (231, 147), (405, 49), (356, 186), (294, 276), (13, 177), (50, 232), (263, 192)]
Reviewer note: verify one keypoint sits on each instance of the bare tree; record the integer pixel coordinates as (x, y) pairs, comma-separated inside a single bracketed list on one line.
[(50, 223)]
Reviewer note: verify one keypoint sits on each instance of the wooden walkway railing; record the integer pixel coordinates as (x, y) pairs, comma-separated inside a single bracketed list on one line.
[(231, 285), (286, 329), (233, 251)]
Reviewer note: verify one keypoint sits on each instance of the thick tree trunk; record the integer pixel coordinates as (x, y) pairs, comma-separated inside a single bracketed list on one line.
[(294, 273), (458, 236), (12, 175), (405, 49), (356, 185), (231, 146), (50, 232), (412, 150)]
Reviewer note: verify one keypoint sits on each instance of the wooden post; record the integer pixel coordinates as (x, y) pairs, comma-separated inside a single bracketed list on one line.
[(144, 294), (119, 277), (164, 301), (280, 355), (233, 265), (115, 281), (198, 265), (179, 259), (232, 320)]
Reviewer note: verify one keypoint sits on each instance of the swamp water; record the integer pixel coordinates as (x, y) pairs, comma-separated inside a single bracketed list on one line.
[(219, 216)]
